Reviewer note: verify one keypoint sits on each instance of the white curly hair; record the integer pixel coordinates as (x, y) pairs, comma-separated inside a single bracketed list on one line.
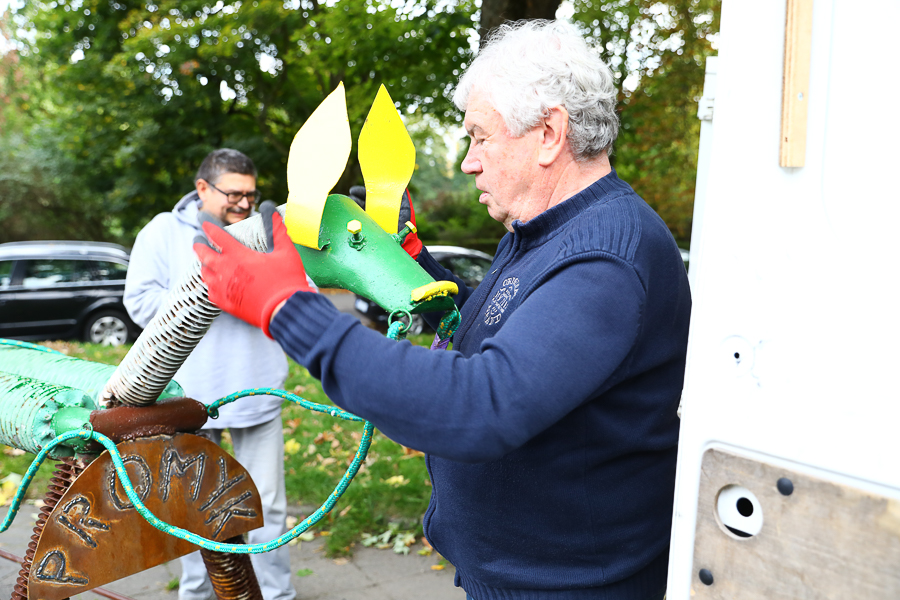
[(528, 67)]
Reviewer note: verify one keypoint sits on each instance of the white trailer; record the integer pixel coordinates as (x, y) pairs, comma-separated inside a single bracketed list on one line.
[(789, 460)]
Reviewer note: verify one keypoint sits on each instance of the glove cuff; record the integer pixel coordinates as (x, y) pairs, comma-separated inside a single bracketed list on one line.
[(413, 245)]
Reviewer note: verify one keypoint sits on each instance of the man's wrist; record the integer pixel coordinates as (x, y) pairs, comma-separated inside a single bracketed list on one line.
[(277, 308)]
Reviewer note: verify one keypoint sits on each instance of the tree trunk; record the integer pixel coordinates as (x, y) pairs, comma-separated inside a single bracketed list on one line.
[(497, 12)]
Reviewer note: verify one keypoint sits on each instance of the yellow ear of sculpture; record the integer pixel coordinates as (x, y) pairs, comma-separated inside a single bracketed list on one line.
[(317, 158), (387, 158)]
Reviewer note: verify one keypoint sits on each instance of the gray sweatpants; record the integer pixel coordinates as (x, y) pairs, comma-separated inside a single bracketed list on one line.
[(260, 449)]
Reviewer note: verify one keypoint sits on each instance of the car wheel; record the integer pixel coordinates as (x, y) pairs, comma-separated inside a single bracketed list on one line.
[(106, 327)]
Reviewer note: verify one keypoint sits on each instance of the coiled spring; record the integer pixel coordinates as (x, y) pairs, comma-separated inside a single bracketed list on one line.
[(174, 332)]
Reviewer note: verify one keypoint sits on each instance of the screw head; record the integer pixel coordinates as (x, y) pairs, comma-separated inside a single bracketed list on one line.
[(706, 576), (354, 226), (785, 486)]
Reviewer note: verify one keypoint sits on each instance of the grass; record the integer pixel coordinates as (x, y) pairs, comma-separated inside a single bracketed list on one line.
[(389, 494)]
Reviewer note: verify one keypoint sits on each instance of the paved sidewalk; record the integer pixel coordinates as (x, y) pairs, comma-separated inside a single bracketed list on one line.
[(369, 574)]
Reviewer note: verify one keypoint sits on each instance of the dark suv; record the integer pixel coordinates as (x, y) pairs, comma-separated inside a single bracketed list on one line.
[(60, 290)]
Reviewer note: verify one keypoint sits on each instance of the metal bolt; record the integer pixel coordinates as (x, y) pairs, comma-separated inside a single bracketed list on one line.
[(357, 239), (785, 486)]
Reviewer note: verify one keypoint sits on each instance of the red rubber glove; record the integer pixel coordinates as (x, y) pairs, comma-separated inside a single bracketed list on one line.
[(246, 283), (412, 244)]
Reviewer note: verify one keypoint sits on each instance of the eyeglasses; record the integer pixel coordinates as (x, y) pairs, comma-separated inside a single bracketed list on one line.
[(235, 197)]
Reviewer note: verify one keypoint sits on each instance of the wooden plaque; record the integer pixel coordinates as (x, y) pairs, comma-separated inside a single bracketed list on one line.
[(824, 540)]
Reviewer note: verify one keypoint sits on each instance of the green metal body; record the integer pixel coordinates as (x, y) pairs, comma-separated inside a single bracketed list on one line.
[(370, 263), (66, 371), (27, 410)]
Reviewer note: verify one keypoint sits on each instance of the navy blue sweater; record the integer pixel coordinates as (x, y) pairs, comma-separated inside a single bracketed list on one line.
[(551, 428)]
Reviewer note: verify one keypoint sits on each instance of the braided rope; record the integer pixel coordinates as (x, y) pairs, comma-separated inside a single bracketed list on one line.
[(6, 342), (88, 434), (395, 332), (213, 411)]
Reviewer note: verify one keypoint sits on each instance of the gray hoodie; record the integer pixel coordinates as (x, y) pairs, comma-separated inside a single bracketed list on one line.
[(233, 355)]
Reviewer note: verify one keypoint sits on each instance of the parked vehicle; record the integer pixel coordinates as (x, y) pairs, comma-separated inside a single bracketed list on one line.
[(64, 290), (469, 265)]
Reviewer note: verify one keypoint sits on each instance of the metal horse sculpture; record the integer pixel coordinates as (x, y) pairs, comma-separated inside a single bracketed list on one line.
[(88, 533)]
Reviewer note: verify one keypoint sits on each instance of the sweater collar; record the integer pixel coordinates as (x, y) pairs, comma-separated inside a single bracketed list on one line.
[(544, 226)]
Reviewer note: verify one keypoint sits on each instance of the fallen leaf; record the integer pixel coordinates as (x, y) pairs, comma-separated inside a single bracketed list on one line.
[(396, 481), (437, 567), (8, 487), (292, 446), (304, 572), (324, 436), (341, 561), (403, 541)]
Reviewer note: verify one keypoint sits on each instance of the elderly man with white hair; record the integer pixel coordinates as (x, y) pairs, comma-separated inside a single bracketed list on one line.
[(550, 429)]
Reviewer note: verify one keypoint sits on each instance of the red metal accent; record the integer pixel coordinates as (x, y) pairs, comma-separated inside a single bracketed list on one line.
[(163, 418)]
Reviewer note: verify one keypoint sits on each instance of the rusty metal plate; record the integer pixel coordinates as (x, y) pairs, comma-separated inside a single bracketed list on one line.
[(95, 536)]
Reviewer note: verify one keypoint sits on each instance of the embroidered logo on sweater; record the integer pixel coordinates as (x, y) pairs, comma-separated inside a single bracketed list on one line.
[(501, 300)]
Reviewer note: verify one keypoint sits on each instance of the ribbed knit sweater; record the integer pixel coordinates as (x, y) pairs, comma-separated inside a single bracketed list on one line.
[(551, 427)]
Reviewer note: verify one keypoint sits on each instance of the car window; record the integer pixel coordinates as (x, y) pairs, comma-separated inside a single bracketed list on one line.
[(48, 272), (468, 268), (101, 270), (5, 273)]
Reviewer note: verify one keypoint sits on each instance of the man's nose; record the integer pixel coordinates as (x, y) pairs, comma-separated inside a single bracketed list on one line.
[(470, 165), (244, 202)]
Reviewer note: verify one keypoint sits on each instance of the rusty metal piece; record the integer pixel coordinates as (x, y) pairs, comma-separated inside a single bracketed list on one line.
[(163, 418), (94, 535), (66, 473), (99, 591), (232, 575)]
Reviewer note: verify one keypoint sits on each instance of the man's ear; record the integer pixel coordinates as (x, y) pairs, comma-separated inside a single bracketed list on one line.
[(555, 132), (203, 189)]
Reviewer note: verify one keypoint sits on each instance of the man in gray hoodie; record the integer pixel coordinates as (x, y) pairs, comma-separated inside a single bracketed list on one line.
[(232, 356)]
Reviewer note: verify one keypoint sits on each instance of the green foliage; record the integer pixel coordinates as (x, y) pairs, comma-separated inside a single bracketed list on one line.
[(107, 108), (137, 93), (392, 486), (658, 52)]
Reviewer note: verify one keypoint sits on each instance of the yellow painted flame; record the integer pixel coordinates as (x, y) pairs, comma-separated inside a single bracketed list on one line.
[(387, 158), (316, 161)]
